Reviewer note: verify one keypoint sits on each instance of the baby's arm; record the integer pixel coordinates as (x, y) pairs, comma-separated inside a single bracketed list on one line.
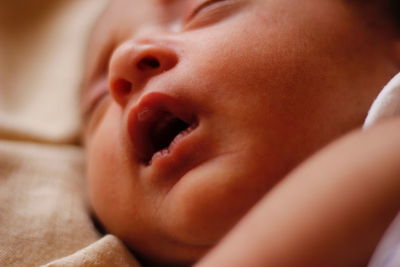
[(331, 211)]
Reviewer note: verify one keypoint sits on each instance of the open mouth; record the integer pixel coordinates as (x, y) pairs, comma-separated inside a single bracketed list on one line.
[(166, 131), (156, 128)]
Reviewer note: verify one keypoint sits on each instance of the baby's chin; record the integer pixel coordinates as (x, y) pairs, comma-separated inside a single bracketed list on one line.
[(166, 253), (188, 240)]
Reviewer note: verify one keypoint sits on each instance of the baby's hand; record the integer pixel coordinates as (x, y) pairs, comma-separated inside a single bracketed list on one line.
[(331, 211)]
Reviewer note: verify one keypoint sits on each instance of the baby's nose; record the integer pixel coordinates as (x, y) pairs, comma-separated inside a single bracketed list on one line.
[(133, 65)]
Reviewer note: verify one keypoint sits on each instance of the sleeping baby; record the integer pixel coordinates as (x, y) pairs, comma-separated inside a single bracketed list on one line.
[(196, 109)]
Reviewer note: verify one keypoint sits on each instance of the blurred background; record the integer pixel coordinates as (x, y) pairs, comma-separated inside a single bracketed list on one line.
[(43, 209), (42, 44)]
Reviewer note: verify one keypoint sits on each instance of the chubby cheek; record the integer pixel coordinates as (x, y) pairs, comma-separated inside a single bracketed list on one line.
[(103, 167)]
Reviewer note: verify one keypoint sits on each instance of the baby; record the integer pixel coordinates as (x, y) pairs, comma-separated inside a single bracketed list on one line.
[(195, 109)]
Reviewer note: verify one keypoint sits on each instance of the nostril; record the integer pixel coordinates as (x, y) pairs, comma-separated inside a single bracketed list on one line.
[(122, 87), (148, 63)]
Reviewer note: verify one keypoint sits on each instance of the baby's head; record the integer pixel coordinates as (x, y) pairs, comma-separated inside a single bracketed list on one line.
[(195, 109)]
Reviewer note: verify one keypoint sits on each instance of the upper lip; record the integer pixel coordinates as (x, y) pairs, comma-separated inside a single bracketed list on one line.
[(154, 123)]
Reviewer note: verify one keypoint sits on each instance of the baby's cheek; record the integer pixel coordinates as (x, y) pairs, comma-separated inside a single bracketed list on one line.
[(207, 204), (102, 167)]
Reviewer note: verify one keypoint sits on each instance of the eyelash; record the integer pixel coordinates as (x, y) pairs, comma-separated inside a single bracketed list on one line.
[(201, 7)]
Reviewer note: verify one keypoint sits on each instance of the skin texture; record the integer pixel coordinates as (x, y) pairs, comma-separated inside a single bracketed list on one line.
[(265, 83), (352, 204)]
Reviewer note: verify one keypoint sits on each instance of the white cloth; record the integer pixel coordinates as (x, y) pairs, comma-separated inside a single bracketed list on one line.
[(387, 105)]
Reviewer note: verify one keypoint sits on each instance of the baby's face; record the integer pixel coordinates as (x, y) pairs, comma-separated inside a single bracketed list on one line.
[(195, 109)]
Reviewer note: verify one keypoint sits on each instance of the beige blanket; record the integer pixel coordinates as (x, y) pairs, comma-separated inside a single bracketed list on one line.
[(43, 212)]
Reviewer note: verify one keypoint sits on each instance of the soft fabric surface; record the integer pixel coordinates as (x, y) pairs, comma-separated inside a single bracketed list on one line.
[(42, 211), (386, 105), (108, 251)]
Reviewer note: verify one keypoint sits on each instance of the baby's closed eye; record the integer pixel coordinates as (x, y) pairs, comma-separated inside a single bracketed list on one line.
[(95, 100), (209, 12)]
